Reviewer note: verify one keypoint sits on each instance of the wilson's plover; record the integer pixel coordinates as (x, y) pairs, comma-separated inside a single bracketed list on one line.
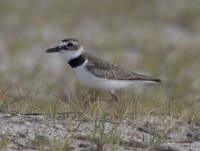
[(95, 72)]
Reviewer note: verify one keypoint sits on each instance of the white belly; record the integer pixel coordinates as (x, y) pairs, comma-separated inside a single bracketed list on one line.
[(92, 81)]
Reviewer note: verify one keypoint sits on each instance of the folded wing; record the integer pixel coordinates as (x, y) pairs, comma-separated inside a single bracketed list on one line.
[(108, 70)]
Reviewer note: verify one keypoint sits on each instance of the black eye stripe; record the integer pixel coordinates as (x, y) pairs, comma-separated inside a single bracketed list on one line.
[(70, 44)]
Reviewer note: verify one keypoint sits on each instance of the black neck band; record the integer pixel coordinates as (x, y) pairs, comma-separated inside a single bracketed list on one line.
[(76, 61)]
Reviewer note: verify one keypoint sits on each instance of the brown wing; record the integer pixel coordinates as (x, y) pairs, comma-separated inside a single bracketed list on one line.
[(108, 70)]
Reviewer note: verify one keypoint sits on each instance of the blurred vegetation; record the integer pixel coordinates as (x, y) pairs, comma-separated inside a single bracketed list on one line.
[(158, 38)]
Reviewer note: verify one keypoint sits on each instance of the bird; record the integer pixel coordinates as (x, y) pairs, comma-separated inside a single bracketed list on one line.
[(95, 72)]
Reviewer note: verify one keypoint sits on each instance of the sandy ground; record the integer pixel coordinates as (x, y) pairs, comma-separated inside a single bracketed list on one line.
[(25, 131)]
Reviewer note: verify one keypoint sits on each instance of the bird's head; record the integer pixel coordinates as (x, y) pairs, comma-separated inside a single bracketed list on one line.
[(68, 49)]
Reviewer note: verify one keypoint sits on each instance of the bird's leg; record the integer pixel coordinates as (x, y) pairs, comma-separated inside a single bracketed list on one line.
[(93, 99), (114, 98)]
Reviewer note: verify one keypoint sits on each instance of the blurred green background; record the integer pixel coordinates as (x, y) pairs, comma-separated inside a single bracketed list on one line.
[(155, 37)]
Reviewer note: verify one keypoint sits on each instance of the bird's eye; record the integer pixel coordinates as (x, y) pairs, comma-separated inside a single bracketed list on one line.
[(70, 44)]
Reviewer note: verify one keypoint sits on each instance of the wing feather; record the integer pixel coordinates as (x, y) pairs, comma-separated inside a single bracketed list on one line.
[(102, 68)]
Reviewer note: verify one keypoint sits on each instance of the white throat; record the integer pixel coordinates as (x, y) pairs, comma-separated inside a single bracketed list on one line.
[(68, 55)]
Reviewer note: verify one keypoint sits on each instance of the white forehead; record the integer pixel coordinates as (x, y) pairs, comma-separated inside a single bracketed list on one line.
[(63, 44)]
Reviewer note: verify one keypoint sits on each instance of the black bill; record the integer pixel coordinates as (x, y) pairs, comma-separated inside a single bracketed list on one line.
[(55, 49)]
